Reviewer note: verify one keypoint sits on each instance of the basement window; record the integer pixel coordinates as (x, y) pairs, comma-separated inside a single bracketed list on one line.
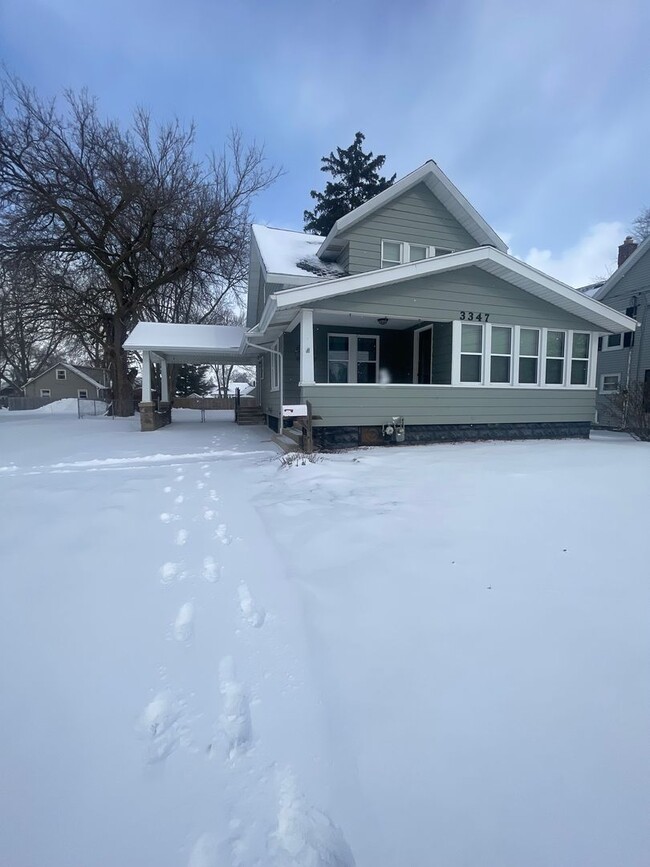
[(45, 392)]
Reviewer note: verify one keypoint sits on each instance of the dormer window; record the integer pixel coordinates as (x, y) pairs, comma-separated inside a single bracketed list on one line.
[(401, 252)]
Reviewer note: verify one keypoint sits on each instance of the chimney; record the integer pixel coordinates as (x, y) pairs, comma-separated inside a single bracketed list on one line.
[(626, 249)]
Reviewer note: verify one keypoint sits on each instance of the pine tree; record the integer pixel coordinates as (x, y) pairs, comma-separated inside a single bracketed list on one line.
[(192, 379), (356, 179)]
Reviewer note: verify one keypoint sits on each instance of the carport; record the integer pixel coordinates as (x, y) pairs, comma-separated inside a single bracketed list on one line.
[(167, 343)]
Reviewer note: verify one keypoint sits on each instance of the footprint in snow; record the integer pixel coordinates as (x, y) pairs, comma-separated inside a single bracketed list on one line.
[(252, 613), (169, 571), (211, 572), (305, 836), (180, 478), (208, 514), (165, 517), (222, 534), (213, 496), (235, 721), (200, 485), (181, 537), (206, 475), (168, 489), (179, 499), (159, 726), (184, 623)]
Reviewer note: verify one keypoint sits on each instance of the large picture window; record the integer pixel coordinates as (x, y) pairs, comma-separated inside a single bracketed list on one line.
[(501, 354), (352, 358), (580, 358), (555, 347), (471, 353), (528, 356)]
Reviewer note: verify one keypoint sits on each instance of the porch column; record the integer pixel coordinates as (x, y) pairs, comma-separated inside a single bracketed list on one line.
[(146, 377), (307, 346), (164, 383)]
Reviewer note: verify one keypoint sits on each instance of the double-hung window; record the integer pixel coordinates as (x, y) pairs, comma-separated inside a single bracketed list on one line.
[(580, 344), (82, 393), (352, 358), (61, 373), (471, 353), (500, 353), (400, 252), (610, 383), (528, 356), (555, 348)]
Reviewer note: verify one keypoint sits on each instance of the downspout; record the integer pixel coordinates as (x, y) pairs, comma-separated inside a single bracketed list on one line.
[(281, 375)]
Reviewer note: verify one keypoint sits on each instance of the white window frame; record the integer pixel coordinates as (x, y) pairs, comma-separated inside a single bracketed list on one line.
[(64, 372), (607, 348), (517, 355), (562, 358), (46, 392), (83, 396), (601, 387), (405, 252), (514, 369), (487, 339), (352, 356), (275, 366), (571, 358)]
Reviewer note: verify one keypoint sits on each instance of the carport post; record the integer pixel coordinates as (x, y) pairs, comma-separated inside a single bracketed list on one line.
[(146, 376), (164, 383)]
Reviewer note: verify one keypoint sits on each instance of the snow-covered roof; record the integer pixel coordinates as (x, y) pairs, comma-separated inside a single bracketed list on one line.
[(442, 188), (285, 252), (591, 289), (176, 341)]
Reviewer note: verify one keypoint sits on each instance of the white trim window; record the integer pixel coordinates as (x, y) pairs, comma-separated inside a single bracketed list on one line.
[(352, 358), (61, 373), (471, 353), (45, 392), (612, 341), (82, 393), (501, 354), (555, 351), (529, 344), (401, 252), (275, 367), (610, 383), (580, 351)]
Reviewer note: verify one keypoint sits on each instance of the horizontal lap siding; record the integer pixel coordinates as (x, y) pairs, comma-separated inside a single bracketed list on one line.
[(443, 297), (416, 217), (374, 405)]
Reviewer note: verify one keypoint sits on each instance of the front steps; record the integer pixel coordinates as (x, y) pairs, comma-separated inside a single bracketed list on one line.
[(245, 414)]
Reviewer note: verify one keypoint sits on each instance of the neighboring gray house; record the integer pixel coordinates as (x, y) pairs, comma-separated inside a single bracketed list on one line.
[(408, 323), (68, 380), (624, 358)]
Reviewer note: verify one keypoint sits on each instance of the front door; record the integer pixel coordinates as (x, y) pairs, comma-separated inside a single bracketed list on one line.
[(423, 355)]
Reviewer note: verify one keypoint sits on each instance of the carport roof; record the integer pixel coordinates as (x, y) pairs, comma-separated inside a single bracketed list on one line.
[(192, 344)]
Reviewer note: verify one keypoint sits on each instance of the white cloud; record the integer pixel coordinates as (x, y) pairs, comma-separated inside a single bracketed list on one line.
[(593, 257)]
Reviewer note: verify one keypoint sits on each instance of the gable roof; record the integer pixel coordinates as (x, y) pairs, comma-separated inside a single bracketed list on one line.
[(489, 259), (629, 263), (442, 188), (73, 369)]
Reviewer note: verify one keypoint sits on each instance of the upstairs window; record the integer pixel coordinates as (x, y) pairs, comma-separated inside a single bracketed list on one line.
[(60, 373), (401, 252), (614, 341)]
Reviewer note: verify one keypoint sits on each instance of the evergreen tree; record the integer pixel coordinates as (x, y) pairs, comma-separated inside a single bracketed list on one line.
[(192, 379), (356, 179)]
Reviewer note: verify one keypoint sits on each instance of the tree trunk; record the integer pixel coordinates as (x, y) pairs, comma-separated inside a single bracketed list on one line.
[(118, 368)]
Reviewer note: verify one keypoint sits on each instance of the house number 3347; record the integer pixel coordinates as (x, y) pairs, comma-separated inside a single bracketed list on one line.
[(469, 316)]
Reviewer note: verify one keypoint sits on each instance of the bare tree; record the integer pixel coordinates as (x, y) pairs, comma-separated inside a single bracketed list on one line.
[(125, 219), (30, 340), (641, 225), (630, 409)]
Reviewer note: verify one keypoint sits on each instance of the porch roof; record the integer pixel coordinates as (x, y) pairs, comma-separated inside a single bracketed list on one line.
[(280, 308), (192, 344)]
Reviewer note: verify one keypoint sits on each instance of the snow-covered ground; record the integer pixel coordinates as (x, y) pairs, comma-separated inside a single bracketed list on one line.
[(434, 655)]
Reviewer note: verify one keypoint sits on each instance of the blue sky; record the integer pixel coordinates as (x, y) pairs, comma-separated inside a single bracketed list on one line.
[(538, 112)]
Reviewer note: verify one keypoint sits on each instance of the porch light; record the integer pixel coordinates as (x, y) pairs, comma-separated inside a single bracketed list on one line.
[(383, 320)]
